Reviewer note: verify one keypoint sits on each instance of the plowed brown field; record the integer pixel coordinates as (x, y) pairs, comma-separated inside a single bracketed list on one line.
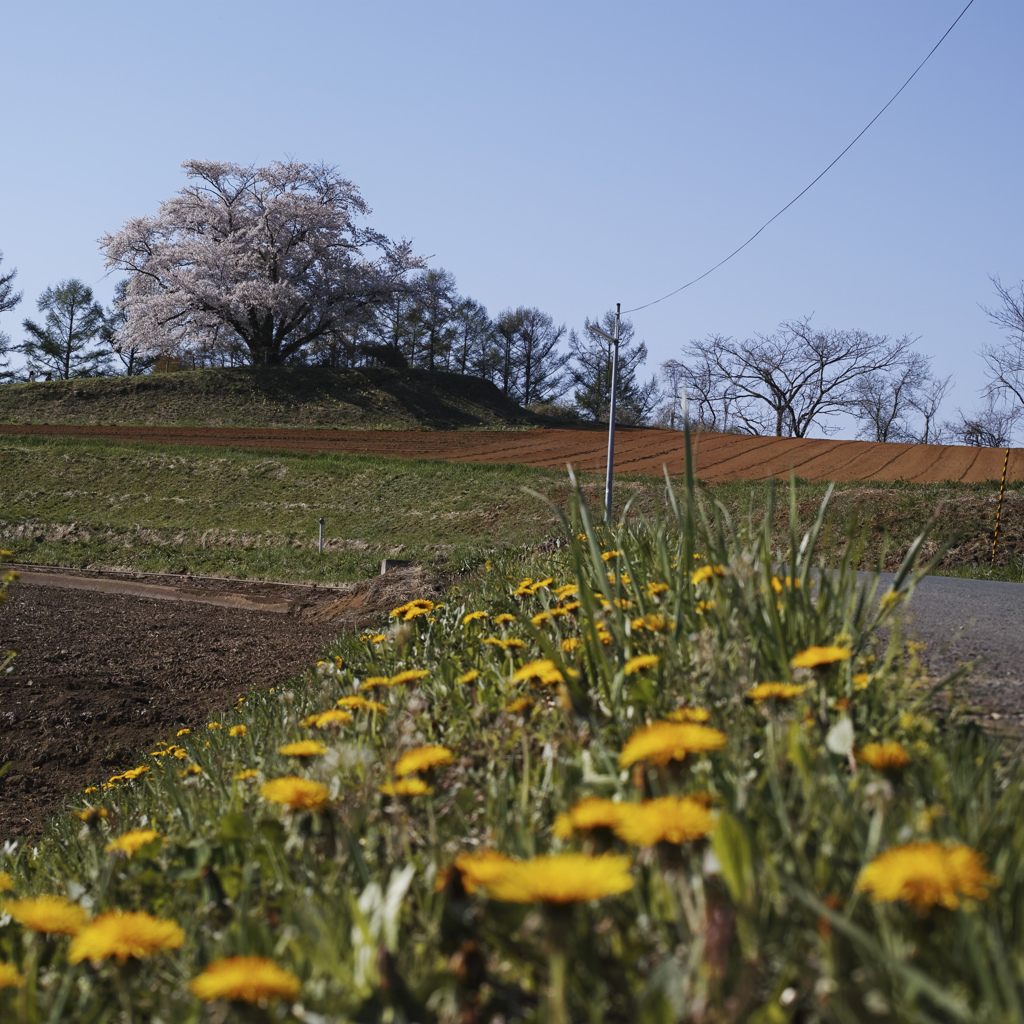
[(720, 457)]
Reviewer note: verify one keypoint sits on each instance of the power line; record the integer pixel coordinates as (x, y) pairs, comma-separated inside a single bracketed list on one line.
[(676, 291)]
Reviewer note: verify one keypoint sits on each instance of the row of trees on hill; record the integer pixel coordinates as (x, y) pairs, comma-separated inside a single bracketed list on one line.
[(275, 266), (800, 378)]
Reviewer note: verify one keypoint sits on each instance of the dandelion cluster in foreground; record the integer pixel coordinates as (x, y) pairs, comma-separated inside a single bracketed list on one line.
[(123, 934), (560, 878), (246, 979), (662, 742), (51, 914), (297, 793), (925, 874)]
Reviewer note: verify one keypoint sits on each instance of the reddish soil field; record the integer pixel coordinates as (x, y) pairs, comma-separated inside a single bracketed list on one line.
[(720, 457), (102, 675)]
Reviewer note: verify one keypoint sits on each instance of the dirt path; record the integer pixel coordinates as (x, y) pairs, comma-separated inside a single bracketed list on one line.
[(103, 675), (720, 457)]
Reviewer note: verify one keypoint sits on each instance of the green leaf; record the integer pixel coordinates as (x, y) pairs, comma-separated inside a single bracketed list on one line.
[(732, 848), (234, 828)]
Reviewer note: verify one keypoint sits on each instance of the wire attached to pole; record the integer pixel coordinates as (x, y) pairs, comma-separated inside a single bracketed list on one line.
[(676, 291)]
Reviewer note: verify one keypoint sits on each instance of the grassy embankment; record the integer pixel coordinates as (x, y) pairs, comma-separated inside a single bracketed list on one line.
[(299, 396), (249, 515), (432, 858)]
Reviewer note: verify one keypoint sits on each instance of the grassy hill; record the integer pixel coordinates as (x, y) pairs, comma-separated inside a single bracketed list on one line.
[(295, 396)]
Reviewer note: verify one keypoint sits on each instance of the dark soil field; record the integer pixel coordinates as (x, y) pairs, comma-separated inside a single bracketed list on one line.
[(102, 676), (720, 457)]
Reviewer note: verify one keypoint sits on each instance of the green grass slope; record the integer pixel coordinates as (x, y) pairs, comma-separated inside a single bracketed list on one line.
[(294, 396)]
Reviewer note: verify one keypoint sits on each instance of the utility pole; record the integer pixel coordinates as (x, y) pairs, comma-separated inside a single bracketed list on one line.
[(610, 469)]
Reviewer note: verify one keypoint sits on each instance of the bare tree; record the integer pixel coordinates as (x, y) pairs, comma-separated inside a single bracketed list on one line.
[(9, 298), (883, 402), (926, 403), (990, 427), (1005, 363), (271, 255), (787, 382), (711, 401)]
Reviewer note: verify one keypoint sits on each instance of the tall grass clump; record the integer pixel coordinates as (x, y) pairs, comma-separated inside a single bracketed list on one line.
[(662, 773)]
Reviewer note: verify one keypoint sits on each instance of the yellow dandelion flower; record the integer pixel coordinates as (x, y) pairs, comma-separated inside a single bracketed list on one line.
[(6, 882), (640, 662), (566, 590), (609, 555), (778, 585), (90, 789), (327, 719), (668, 819), (371, 681), (503, 618), (245, 979), (246, 774), (543, 670), (213, 725), (298, 794), (183, 732), (541, 584), (590, 813), (561, 878), (518, 705), (925, 874), (570, 643), (468, 677), (568, 608), (549, 616), (121, 934), (362, 704), (861, 680), (473, 617), (662, 742), (51, 914), (410, 675), (814, 656), (406, 787), (477, 869), (129, 842), (891, 755), (704, 606), (689, 715), (420, 759), (237, 731), (411, 609), (10, 976), (705, 572), (303, 748), (654, 589), (775, 691)]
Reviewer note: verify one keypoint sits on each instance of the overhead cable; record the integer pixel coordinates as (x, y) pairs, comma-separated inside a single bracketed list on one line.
[(676, 291)]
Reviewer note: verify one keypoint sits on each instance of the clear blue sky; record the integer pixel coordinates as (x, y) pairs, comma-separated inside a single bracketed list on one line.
[(563, 155)]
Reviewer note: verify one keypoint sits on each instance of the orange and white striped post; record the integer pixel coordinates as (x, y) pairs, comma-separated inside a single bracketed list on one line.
[(999, 507)]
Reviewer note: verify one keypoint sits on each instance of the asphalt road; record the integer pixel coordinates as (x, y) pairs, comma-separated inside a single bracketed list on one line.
[(977, 622)]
